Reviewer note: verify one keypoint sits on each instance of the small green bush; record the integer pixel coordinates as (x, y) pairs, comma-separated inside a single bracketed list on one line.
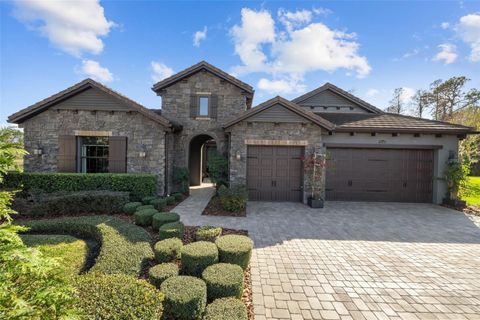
[(226, 308), (144, 217), (178, 196), (235, 249), (147, 200), (168, 250), (185, 297), (144, 207), (161, 272), (117, 297), (208, 233), (170, 200), (139, 185), (160, 204), (171, 230), (197, 256), (131, 207), (181, 177), (233, 199), (159, 219), (223, 280)]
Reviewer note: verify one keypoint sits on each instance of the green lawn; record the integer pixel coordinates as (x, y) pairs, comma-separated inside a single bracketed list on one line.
[(71, 251), (471, 193)]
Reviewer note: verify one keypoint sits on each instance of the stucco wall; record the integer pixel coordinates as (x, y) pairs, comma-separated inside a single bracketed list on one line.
[(43, 131), (449, 144)]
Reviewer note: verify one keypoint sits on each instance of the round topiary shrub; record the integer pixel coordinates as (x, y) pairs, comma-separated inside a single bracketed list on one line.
[(159, 219), (168, 250), (159, 204), (235, 249), (178, 196), (223, 280), (117, 296), (208, 233), (144, 217), (226, 308), (146, 200), (161, 272), (185, 297), (197, 256), (171, 230), (131, 207), (143, 207), (170, 200)]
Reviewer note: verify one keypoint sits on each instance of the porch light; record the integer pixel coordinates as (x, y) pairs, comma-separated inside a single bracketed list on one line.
[(238, 156), (143, 151), (38, 151)]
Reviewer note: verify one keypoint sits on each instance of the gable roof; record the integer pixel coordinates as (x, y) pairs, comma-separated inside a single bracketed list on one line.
[(86, 84), (287, 104), (328, 86)]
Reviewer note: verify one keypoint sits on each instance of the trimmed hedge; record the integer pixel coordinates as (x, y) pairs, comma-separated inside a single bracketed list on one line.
[(170, 200), (161, 272), (124, 247), (197, 256), (223, 280), (171, 230), (159, 203), (117, 297), (185, 297), (139, 185), (208, 233), (226, 308), (159, 219), (233, 199), (178, 196), (235, 249), (144, 217), (168, 250), (144, 207), (131, 207), (147, 200)]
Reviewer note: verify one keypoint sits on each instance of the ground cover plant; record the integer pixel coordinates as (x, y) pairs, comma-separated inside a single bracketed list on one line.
[(471, 191)]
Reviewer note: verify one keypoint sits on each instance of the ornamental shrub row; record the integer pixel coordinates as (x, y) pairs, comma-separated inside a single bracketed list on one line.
[(197, 256), (185, 297), (161, 272), (168, 250), (233, 199), (223, 280), (138, 185), (171, 230), (226, 308), (208, 233), (235, 249)]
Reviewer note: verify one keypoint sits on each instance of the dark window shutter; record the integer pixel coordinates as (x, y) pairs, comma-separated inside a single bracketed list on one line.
[(117, 154), (193, 106), (67, 151), (213, 106)]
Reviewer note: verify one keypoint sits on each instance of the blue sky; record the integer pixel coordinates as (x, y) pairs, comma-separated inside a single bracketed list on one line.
[(280, 48)]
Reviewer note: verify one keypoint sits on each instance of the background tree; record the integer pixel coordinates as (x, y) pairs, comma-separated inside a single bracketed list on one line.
[(396, 104), (419, 103)]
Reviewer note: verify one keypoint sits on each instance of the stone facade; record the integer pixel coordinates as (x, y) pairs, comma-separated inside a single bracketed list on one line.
[(43, 130)]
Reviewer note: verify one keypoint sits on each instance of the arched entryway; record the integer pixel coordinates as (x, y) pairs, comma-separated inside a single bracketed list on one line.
[(199, 149)]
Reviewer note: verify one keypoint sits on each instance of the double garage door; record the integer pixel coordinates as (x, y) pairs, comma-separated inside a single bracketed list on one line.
[(275, 173)]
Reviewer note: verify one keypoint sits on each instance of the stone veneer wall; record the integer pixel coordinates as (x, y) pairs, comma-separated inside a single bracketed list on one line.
[(309, 132), (43, 131), (176, 108)]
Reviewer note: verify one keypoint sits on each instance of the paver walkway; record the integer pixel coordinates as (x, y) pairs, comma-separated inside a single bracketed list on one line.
[(357, 260)]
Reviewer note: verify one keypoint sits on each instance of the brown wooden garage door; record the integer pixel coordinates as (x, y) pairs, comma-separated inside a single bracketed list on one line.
[(274, 173), (379, 175)]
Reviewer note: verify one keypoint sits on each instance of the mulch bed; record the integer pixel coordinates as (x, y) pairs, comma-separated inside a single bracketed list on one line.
[(474, 210), (214, 208)]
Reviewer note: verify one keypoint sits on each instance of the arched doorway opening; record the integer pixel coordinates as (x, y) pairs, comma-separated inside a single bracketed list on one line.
[(200, 147)]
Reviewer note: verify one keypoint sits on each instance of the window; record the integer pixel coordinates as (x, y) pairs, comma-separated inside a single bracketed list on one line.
[(203, 105), (93, 154)]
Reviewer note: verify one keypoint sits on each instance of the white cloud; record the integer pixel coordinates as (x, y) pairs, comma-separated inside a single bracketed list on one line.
[(410, 54), (407, 94), (280, 86), (447, 53), (160, 71), (468, 30), (199, 36), (72, 26), (445, 25), (294, 19), (372, 92), (93, 69)]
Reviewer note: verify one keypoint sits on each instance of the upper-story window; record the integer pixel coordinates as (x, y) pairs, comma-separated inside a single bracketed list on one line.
[(203, 106)]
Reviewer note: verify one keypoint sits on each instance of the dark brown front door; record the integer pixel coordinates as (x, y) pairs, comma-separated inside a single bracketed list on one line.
[(398, 175), (274, 173)]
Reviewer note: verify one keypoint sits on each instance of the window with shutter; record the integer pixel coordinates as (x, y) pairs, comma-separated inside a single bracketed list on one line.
[(193, 106), (213, 106), (117, 156), (67, 153)]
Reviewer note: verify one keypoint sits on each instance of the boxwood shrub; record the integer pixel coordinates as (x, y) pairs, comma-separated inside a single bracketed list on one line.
[(208, 233), (148, 199), (197, 256), (139, 185), (131, 207), (124, 247), (178, 196), (226, 308), (223, 280), (144, 207), (171, 230), (170, 200), (235, 249), (185, 297), (159, 219), (117, 297), (161, 272), (144, 217), (168, 250), (159, 203)]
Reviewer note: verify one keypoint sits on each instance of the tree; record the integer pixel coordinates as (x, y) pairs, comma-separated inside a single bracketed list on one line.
[(217, 168), (419, 103), (396, 104), (11, 149)]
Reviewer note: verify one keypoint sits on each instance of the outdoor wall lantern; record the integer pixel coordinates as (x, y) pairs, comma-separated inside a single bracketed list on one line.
[(238, 156), (143, 151), (38, 151)]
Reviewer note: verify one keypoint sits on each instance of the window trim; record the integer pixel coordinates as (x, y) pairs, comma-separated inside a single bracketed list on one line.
[(199, 97)]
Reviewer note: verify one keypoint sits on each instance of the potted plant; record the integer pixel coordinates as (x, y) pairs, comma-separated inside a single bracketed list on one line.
[(455, 176), (314, 168)]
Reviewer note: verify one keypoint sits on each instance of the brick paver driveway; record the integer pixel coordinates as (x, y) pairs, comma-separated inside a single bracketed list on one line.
[(360, 261)]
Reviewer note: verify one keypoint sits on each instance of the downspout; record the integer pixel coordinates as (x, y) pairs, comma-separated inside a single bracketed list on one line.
[(166, 188)]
